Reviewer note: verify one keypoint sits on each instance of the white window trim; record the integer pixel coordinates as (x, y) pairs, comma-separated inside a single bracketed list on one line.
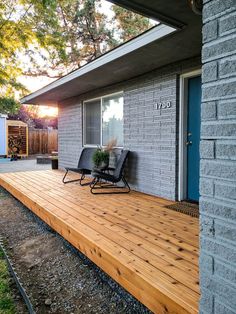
[(182, 178), (83, 118)]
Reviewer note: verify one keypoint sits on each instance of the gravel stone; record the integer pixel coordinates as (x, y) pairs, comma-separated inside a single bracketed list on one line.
[(48, 302)]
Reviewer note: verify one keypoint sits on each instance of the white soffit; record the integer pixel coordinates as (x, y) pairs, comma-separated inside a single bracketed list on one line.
[(153, 34)]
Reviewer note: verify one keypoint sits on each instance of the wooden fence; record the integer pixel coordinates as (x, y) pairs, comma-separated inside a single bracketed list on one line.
[(42, 141)]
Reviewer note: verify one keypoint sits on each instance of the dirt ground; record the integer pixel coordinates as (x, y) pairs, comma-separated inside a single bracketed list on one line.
[(57, 277)]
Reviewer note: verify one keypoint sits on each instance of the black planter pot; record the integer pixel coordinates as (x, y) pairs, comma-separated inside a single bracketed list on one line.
[(54, 164)]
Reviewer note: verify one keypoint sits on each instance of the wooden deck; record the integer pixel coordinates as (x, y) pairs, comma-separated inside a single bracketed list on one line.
[(150, 250)]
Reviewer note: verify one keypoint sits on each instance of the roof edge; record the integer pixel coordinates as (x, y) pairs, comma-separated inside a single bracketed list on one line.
[(150, 13), (151, 35)]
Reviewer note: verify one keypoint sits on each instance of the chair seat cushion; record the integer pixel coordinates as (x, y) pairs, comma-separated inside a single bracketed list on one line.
[(79, 170)]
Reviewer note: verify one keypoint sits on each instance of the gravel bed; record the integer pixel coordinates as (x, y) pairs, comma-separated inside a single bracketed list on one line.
[(57, 277)]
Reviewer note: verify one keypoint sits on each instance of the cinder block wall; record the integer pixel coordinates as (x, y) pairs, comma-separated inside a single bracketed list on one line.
[(150, 134), (69, 133), (218, 159)]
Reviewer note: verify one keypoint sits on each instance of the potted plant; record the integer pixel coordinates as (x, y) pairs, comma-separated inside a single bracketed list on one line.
[(103, 156), (54, 160)]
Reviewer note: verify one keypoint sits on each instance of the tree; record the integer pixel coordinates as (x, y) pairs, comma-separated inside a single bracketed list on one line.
[(49, 38), (26, 26), (16, 35), (130, 24), (52, 37), (8, 105), (87, 31), (29, 114), (44, 123), (84, 31), (23, 114)]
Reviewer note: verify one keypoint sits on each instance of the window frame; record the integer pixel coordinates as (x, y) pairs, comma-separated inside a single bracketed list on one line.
[(84, 122)]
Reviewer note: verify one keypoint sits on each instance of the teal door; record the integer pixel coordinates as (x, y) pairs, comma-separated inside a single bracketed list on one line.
[(193, 137)]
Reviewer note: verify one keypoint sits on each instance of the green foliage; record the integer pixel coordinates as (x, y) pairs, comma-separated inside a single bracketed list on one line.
[(85, 30), (6, 300), (52, 37), (8, 105), (14, 37), (20, 23), (99, 157), (130, 24)]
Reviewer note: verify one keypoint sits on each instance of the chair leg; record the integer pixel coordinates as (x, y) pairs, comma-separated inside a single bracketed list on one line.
[(126, 183), (70, 181), (94, 186), (85, 184)]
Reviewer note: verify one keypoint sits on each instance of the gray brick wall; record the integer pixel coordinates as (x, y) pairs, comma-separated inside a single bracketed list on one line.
[(150, 134), (218, 159), (69, 133)]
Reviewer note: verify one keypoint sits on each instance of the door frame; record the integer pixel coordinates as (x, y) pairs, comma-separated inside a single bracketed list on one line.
[(183, 92)]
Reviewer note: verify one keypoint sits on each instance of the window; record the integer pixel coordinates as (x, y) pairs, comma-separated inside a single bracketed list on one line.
[(103, 120), (92, 121), (112, 119)]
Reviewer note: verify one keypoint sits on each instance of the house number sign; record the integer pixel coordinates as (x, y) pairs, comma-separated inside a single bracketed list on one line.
[(163, 105)]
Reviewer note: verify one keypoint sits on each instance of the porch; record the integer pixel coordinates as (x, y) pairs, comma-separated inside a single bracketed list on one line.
[(148, 249)]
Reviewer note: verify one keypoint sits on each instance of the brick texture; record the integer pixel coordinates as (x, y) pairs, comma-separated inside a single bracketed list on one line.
[(218, 159), (150, 134), (69, 134)]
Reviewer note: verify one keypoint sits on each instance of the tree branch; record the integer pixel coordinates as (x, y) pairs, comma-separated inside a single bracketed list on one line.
[(7, 19), (40, 73)]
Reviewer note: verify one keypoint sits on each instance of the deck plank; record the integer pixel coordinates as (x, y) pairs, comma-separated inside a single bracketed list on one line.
[(107, 213), (181, 232), (150, 250)]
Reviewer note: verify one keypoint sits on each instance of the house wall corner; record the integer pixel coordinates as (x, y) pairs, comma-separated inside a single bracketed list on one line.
[(218, 159)]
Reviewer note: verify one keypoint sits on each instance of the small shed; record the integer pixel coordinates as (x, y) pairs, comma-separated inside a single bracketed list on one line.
[(17, 138), (3, 130)]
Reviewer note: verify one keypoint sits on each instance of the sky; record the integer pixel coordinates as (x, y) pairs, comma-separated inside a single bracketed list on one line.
[(46, 111), (35, 83)]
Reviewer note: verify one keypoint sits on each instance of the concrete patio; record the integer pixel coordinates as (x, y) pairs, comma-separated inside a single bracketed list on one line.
[(21, 165)]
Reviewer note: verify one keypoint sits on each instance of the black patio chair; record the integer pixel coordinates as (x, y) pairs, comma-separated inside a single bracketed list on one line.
[(85, 166), (104, 180)]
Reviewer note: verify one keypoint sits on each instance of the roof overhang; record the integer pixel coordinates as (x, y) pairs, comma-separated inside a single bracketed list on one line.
[(171, 12), (155, 48), (103, 70)]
